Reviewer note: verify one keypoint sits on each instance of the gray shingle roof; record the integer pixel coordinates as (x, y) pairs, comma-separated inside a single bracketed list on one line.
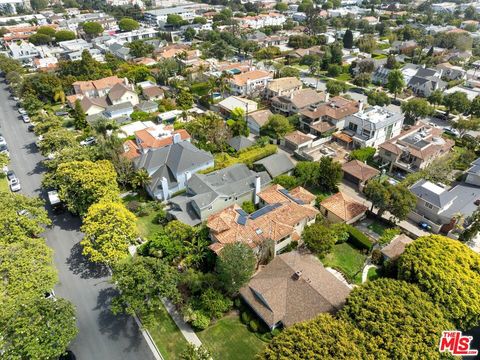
[(276, 164), (240, 142), (437, 199)]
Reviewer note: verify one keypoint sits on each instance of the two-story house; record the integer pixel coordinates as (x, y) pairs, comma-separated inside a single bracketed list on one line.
[(414, 149), (373, 126), (297, 101), (250, 83), (282, 87), (208, 194), (171, 166), (330, 116), (423, 81), (281, 219)]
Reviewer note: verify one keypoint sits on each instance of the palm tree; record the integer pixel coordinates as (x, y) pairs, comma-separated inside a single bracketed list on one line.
[(140, 179)]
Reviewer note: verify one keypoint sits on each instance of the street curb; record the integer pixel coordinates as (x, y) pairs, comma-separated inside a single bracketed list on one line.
[(148, 338)]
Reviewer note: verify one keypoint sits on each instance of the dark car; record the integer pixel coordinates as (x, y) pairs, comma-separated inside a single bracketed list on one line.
[(11, 175), (69, 355), (31, 127)]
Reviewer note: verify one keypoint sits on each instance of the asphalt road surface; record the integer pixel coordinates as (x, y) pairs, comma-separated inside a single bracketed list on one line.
[(102, 335)]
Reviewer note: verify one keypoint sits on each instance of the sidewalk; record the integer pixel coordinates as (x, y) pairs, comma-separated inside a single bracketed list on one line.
[(185, 328)]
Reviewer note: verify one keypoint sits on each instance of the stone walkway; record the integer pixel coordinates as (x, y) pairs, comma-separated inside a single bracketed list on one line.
[(365, 271), (185, 328)]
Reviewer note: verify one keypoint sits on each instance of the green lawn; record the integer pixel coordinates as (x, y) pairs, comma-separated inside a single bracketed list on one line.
[(372, 274), (166, 335), (229, 339), (147, 225), (348, 260), (344, 77), (3, 183), (377, 228)]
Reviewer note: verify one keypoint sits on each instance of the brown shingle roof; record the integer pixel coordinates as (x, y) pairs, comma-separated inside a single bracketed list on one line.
[(337, 108), (294, 288), (261, 116), (243, 78), (105, 83), (396, 247), (297, 137), (283, 84), (117, 91), (343, 206), (152, 92), (359, 170)]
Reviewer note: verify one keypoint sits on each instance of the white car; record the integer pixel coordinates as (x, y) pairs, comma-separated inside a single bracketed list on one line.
[(15, 98), (451, 131), (26, 119), (15, 185), (3, 141), (22, 111), (88, 141)]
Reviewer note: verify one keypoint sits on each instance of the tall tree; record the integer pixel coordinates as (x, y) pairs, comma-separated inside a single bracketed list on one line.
[(92, 28), (319, 238), (128, 24), (277, 126), (348, 39), (109, 229), (457, 101), (416, 109), (235, 266), (447, 270), (329, 174), (143, 282), (57, 139), (436, 97), (397, 317), (395, 82)]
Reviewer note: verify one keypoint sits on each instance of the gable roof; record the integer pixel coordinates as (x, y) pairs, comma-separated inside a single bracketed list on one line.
[(117, 91), (244, 78), (260, 116), (240, 142), (294, 288), (396, 247), (283, 84), (343, 206), (360, 170), (276, 164)]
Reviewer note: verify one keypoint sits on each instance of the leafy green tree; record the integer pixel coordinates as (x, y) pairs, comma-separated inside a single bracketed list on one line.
[(189, 34), (457, 102), (395, 82), (193, 352), (200, 20), (329, 175), (281, 6), (175, 20), (184, 99), (324, 338), (139, 48), (235, 266), (363, 154), (140, 179), (379, 98), (64, 35), (348, 39), (463, 125), (416, 109), (289, 71), (143, 282), (287, 181), (248, 207), (56, 140), (14, 226), (40, 39), (128, 24), (277, 126), (306, 172), (436, 98), (38, 5), (362, 79), (26, 268), (238, 125), (79, 116), (447, 270), (87, 68), (319, 239), (209, 131), (109, 229), (83, 183), (391, 62), (36, 328), (92, 28), (335, 87), (397, 317)]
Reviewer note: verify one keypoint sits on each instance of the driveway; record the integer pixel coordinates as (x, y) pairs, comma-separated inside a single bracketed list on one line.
[(101, 335)]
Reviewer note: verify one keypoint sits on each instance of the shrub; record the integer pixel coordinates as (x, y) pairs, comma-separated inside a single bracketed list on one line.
[(245, 317), (214, 304), (377, 257), (237, 303), (143, 210), (359, 239), (248, 207), (363, 154), (133, 206), (200, 320), (388, 235), (276, 332), (253, 325)]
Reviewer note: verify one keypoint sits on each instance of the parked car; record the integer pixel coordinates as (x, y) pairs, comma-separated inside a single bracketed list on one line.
[(50, 295), (88, 141), (423, 225), (11, 175), (4, 150), (451, 131), (22, 111), (15, 185), (3, 141), (15, 98), (69, 355), (31, 128), (26, 119)]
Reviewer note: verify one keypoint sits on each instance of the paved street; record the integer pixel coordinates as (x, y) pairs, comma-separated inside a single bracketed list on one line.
[(101, 335)]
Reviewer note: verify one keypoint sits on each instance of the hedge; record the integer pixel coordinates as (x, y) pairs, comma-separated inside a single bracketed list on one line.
[(247, 156), (358, 239)]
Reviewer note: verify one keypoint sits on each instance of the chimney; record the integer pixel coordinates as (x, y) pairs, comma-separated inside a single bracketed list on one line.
[(360, 106), (188, 175), (258, 187), (164, 188), (177, 138), (125, 80), (297, 275), (327, 96)]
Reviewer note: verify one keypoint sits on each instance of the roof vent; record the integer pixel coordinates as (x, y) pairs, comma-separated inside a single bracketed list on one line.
[(297, 275)]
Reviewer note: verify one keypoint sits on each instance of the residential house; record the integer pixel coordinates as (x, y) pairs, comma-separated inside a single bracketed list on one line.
[(404, 47), (380, 75), (122, 93), (414, 149), (297, 140), (153, 93), (208, 194), (373, 126), (358, 173), (451, 72), (441, 207), (423, 81), (282, 87), (262, 20), (171, 166), (280, 219), (396, 247), (119, 110), (297, 101), (294, 288), (250, 82), (341, 208), (257, 119), (473, 173), (240, 142), (319, 119), (275, 165), (22, 51), (226, 106), (96, 88), (147, 106)]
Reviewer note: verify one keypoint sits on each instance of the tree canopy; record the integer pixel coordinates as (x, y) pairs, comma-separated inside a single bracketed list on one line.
[(235, 266), (447, 270), (415, 109), (321, 338), (277, 126), (92, 28), (395, 82), (83, 183), (128, 24), (400, 319)]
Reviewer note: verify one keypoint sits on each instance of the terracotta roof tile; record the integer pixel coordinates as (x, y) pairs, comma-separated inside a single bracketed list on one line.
[(343, 206), (360, 170)]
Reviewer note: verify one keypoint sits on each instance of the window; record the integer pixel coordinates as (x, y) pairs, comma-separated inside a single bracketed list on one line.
[(428, 205)]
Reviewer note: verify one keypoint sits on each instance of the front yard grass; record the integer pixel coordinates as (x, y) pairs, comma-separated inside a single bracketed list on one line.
[(3, 183), (147, 224), (229, 339), (167, 335), (372, 274), (377, 228), (344, 77), (348, 260)]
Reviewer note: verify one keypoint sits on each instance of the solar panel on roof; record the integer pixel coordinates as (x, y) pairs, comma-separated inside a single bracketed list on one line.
[(287, 194), (263, 211), (242, 212), (242, 220)]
